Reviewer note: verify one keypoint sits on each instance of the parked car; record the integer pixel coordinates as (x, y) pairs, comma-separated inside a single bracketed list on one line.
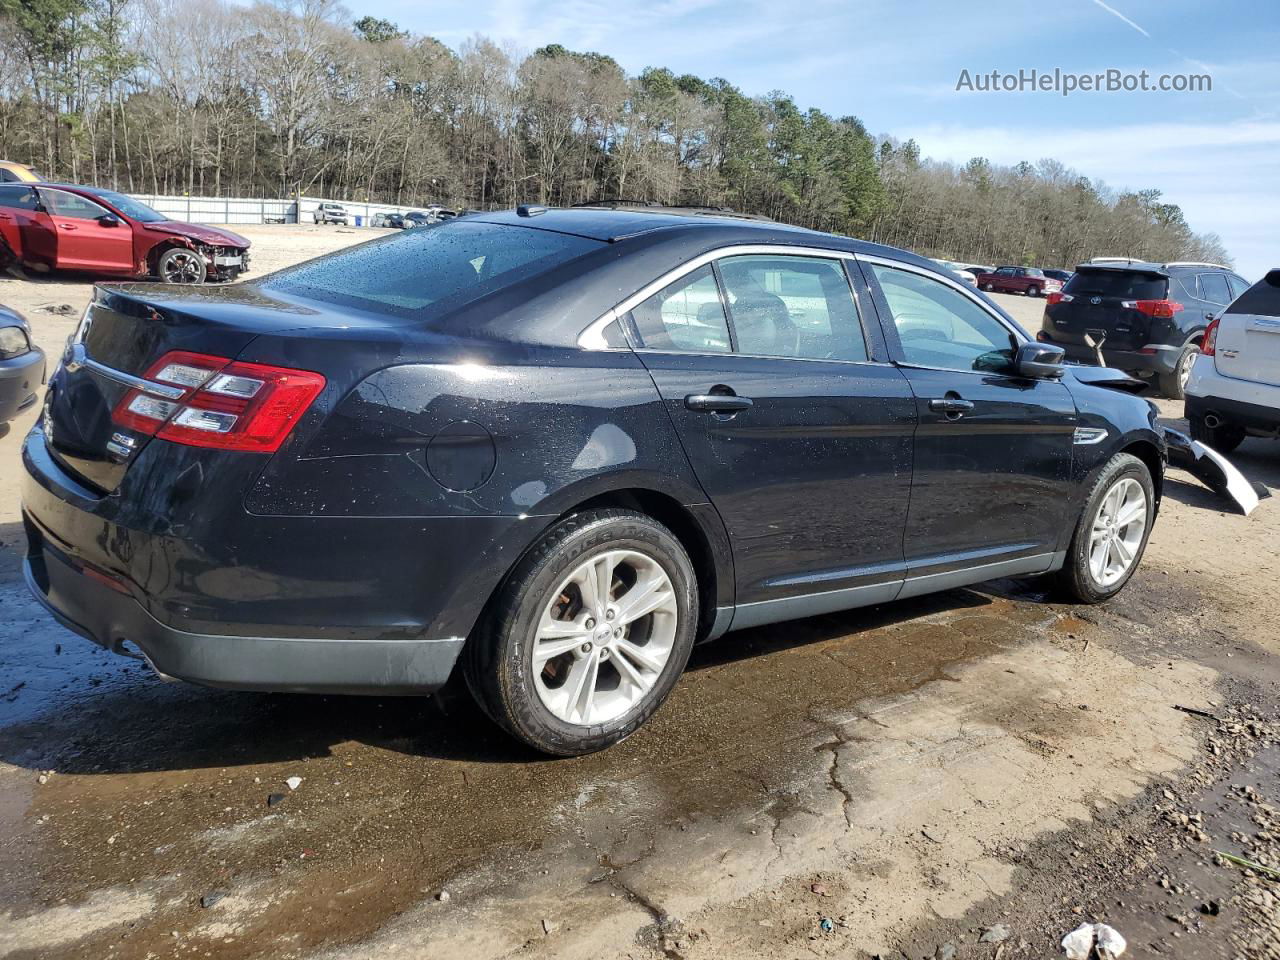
[(21, 366), (393, 220), (423, 218), (48, 226), (13, 172), (557, 448), (1060, 275), (1028, 280), (1149, 318), (331, 213), (963, 273), (1234, 387)]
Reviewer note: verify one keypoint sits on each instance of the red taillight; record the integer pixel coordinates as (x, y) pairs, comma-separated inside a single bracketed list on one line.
[(1210, 337), (1160, 309), (1057, 297), (228, 405)]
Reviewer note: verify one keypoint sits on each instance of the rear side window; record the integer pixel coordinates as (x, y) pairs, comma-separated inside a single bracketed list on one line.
[(685, 316), (447, 266), (1124, 284), (1213, 287), (1261, 300), (1237, 285)]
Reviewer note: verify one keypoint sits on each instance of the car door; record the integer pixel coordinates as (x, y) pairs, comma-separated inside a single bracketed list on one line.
[(992, 455), (24, 226), (797, 427), (88, 235), (1006, 279)]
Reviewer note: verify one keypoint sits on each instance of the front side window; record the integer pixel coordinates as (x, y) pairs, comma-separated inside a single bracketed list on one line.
[(792, 306), (72, 206), (684, 316), (1213, 287), (940, 327)]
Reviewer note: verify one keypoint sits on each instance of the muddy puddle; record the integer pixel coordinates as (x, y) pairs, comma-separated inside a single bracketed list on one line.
[(159, 794)]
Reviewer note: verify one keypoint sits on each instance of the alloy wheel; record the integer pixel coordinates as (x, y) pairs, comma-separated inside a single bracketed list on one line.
[(604, 637), (182, 268), (1118, 529)]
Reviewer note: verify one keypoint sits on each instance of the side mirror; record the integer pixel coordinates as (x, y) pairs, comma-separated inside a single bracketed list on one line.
[(109, 220), (1040, 361)]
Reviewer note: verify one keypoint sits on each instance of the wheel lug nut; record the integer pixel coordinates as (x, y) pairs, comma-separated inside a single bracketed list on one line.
[(586, 647), (590, 624), (610, 613)]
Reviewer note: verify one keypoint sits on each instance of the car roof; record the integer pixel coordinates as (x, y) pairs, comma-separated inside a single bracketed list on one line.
[(614, 224)]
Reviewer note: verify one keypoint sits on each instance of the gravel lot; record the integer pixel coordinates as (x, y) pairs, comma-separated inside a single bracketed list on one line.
[(883, 782)]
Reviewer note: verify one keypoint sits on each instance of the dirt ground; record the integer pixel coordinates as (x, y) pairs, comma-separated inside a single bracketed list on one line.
[(971, 774)]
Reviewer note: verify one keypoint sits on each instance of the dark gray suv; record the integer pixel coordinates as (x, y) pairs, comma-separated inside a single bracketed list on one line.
[(1147, 319)]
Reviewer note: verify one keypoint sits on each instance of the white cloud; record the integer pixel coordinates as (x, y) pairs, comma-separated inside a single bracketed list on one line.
[(1222, 175)]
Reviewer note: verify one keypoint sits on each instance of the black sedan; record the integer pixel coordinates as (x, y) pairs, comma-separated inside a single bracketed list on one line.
[(557, 448)]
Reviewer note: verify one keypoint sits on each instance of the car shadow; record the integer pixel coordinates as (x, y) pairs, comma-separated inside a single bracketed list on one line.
[(75, 708)]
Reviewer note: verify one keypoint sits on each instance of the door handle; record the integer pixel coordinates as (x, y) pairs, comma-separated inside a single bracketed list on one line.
[(951, 406), (717, 402), (66, 226)]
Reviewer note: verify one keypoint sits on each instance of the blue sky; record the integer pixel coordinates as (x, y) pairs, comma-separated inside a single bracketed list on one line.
[(896, 64)]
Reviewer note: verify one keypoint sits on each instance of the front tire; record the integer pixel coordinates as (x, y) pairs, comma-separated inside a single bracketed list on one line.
[(1033, 291), (1112, 532), (589, 634), (180, 265)]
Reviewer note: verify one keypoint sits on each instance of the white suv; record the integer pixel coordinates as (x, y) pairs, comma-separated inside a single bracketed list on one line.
[(1234, 389), (330, 213)]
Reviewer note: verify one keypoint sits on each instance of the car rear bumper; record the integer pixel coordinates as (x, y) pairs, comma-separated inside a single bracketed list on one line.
[(306, 604), (85, 603), (1160, 358), (20, 380), (1244, 403)]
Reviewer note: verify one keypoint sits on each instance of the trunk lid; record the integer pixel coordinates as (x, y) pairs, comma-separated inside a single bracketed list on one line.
[(123, 333), (1094, 300), (1248, 342)]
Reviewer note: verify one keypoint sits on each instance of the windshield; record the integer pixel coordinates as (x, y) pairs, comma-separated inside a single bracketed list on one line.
[(131, 208), (458, 262), (1125, 284)]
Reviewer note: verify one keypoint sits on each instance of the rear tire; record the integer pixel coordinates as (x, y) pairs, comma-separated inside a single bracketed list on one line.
[(610, 671), (1174, 385), (1106, 546), (988, 287), (1224, 438)]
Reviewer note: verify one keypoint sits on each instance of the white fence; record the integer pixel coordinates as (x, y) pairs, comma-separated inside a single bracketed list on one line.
[(249, 210)]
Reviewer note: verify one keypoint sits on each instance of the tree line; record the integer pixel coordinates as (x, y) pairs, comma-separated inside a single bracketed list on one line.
[(292, 96)]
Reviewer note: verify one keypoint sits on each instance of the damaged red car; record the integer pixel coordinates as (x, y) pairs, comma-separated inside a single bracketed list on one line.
[(54, 226)]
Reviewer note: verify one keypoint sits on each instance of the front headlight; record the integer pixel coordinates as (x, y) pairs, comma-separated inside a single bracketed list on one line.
[(13, 342)]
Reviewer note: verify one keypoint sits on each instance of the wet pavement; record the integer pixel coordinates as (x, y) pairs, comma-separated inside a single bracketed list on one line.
[(930, 766)]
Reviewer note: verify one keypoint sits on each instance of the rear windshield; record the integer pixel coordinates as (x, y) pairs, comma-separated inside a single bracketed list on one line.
[(1124, 284), (456, 262), (1261, 300)]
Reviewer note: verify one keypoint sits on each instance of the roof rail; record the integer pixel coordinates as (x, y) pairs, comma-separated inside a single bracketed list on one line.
[(1195, 263), (1115, 260)]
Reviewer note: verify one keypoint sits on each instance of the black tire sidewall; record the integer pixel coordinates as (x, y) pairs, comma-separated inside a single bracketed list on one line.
[(1077, 576), (505, 683)]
